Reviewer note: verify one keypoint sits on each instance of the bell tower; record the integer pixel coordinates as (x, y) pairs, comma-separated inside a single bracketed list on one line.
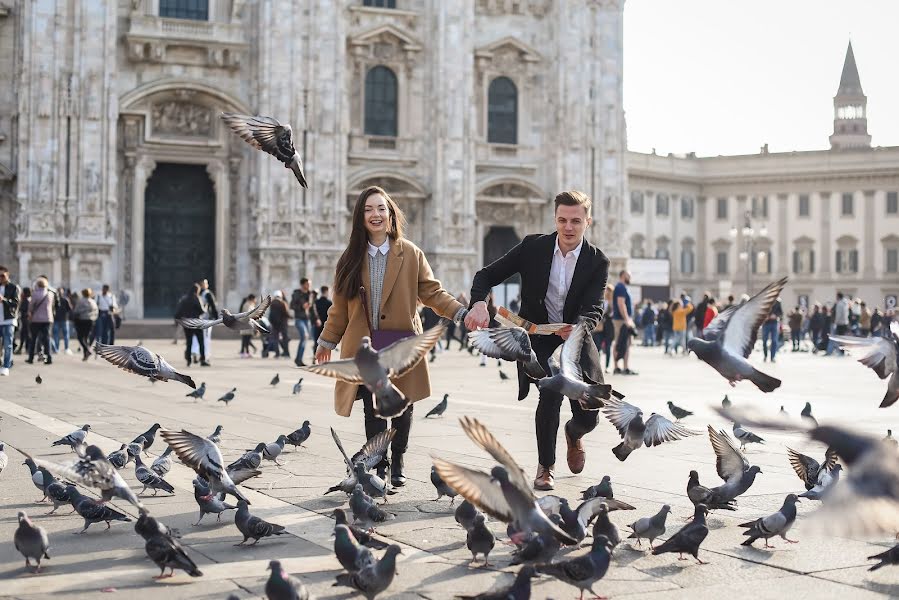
[(850, 122)]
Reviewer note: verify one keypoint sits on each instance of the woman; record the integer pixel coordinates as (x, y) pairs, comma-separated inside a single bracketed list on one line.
[(61, 320), (665, 324), (249, 303), (85, 315), (24, 325), (190, 308), (40, 315), (396, 276)]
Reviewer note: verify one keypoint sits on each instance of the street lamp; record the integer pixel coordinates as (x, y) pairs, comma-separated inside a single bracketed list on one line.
[(749, 236)]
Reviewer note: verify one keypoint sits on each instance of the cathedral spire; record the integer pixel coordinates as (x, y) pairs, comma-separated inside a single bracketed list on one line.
[(850, 121), (850, 84)]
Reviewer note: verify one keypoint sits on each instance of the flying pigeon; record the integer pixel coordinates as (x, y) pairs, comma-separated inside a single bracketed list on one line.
[(465, 514), (808, 469), (689, 538), (480, 540), (807, 415), (209, 503), (149, 479), (604, 526), (699, 494), (628, 420), (31, 541), (512, 501), (567, 375), (298, 387), (92, 511), (74, 439), (584, 571), (727, 341), (732, 466), (235, 322), (198, 393), (362, 536), (370, 455), (375, 368), (678, 412), (55, 490), (282, 586), (140, 361), (119, 458), (508, 343), (37, 478), (252, 526), (268, 135), (275, 380), (777, 524), (298, 436), (881, 356), (216, 436), (351, 555), (745, 436), (575, 521), (164, 549), (442, 488), (827, 479), (438, 410), (519, 590), (650, 527), (890, 557), (204, 457), (228, 397), (376, 577), (147, 438)]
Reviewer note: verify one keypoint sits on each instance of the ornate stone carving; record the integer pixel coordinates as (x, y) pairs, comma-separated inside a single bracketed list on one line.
[(45, 183), (181, 119), (68, 96), (127, 192), (92, 101), (92, 188), (494, 8), (234, 163), (509, 190), (45, 99)]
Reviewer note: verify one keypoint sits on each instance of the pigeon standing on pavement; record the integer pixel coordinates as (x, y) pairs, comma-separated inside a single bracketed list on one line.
[(650, 527), (76, 438), (503, 376), (362, 536), (209, 503), (298, 436), (539, 548), (689, 538), (147, 438), (777, 524), (575, 521), (92, 511), (139, 360), (806, 414), (783, 412), (890, 557), (678, 412), (745, 436), (37, 478), (55, 490), (251, 459), (268, 135), (365, 511), (584, 571), (31, 541), (728, 340), (235, 322), (149, 479), (480, 540), (38, 379), (198, 393), (281, 586), (204, 457), (881, 356), (567, 375), (438, 410), (298, 387), (519, 590), (441, 487), (604, 526), (216, 436), (628, 420), (726, 403), (351, 555), (889, 439), (732, 466), (375, 368), (275, 380), (4, 459), (602, 489), (164, 549), (252, 526), (508, 343), (699, 494), (376, 577), (163, 463), (273, 450), (119, 458), (465, 514), (227, 397)]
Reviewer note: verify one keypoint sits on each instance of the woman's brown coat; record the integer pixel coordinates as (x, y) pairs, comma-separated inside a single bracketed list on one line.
[(408, 278)]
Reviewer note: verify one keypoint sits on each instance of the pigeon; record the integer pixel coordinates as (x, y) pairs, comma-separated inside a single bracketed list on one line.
[(602, 489), (216, 436), (351, 555), (370, 455), (375, 368), (889, 439), (567, 375), (235, 322), (253, 527), (480, 540), (37, 478), (584, 571), (807, 415), (362, 536), (508, 343), (726, 403), (732, 466), (438, 410), (268, 135), (139, 360), (76, 438), (298, 387), (275, 380), (376, 577), (604, 526), (164, 549), (147, 438), (574, 522), (650, 527), (628, 420), (442, 488), (273, 450), (783, 412), (808, 469), (727, 341), (777, 524), (512, 501), (149, 479), (281, 586), (371, 484), (92, 511), (31, 541), (204, 457), (135, 448), (4, 459), (298, 436), (38, 379), (699, 494), (251, 459), (227, 397), (465, 514), (208, 502), (55, 490), (119, 458), (745, 436), (538, 548), (198, 393), (678, 412), (890, 557), (881, 356), (365, 511), (689, 538), (503, 376), (825, 482), (519, 590)]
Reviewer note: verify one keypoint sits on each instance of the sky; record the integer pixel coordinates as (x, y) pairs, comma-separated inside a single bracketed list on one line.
[(721, 77)]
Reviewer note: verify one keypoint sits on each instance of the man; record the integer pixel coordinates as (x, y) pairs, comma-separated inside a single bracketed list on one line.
[(648, 321), (322, 305), (108, 306), (840, 321), (207, 302), (771, 330), (562, 281), (305, 316), (623, 322), (9, 295), (190, 307), (794, 320), (278, 315)]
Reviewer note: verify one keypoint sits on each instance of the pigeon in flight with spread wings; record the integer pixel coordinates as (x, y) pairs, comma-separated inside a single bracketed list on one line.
[(881, 356), (204, 457), (727, 341), (808, 469), (504, 493), (235, 322), (139, 360), (508, 343), (628, 420), (268, 135), (375, 368), (732, 467)]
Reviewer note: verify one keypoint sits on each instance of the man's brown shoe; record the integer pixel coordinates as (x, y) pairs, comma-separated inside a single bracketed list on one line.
[(544, 481), (577, 457)]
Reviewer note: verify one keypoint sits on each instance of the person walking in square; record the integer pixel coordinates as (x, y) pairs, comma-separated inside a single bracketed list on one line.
[(9, 296), (622, 320), (322, 306), (278, 316), (190, 308), (40, 316), (794, 320), (107, 305), (207, 301), (24, 324), (305, 317), (85, 315), (61, 320), (679, 313)]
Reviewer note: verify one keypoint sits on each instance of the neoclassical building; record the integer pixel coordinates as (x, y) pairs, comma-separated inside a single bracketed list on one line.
[(828, 219), (115, 166)]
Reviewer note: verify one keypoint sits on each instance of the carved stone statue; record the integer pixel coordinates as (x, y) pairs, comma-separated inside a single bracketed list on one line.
[(181, 118)]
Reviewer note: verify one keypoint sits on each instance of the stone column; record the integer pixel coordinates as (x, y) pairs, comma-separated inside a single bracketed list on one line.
[(783, 265), (232, 290), (869, 214), (701, 239), (825, 258)]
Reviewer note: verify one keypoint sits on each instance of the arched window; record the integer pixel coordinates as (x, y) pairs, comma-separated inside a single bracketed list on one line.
[(198, 10), (380, 102), (502, 112)]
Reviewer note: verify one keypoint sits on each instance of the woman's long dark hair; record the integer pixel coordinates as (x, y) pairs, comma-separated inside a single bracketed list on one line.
[(348, 278)]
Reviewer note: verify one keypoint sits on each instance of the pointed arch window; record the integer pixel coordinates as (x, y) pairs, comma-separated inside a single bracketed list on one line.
[(381, 102), (502, 112)]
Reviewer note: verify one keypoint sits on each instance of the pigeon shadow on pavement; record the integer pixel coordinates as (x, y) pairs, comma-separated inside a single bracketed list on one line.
[(891, 590)]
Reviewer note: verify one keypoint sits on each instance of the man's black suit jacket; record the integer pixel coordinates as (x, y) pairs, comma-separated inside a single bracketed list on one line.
[(532, 259)]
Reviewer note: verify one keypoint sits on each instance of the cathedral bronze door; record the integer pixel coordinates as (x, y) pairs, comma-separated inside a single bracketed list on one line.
[(179, 235)]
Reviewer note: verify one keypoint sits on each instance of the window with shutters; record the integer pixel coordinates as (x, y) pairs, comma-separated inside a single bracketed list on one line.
[(804, 208), (721, 209), (196, 10), (636, 203), (502, 112), (662, 201), (380, 102)]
